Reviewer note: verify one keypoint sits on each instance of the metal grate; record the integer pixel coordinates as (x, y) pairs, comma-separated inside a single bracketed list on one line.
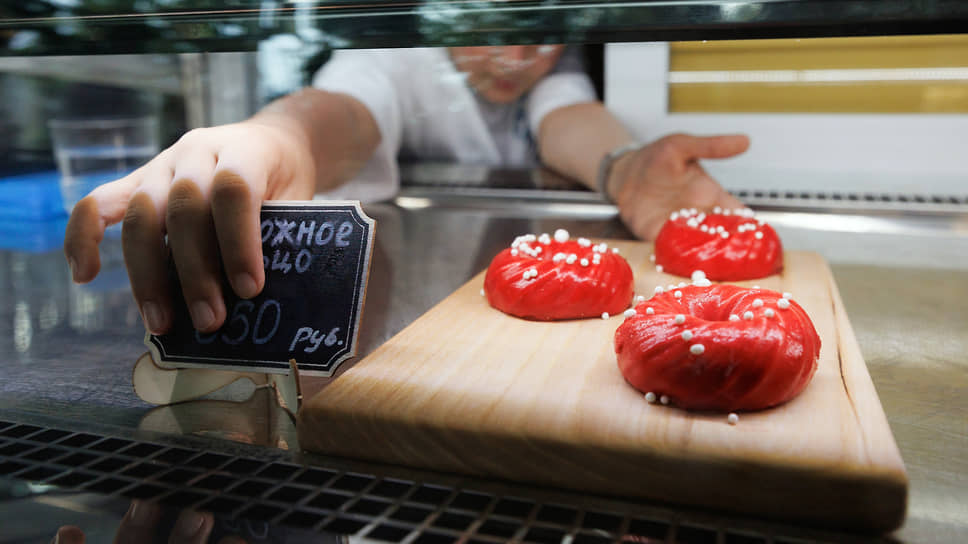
[(852, 200), (337, 500)]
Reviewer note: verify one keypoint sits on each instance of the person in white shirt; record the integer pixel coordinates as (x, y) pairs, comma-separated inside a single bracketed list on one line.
[(342, 137)]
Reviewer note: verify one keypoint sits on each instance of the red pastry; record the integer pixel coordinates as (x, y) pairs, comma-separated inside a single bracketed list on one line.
[(545, 278), (718, 347), (728, 245)]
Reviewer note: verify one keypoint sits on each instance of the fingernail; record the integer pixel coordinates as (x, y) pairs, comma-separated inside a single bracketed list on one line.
[(73, 264), (188, 523), (244, 285), (141, 513), (152, 316), (202, 315)]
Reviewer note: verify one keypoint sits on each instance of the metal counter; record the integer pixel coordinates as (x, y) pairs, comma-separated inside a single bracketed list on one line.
[(67, 352)]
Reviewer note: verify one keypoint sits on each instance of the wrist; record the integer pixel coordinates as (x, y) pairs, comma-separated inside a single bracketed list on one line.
[(613, 168)]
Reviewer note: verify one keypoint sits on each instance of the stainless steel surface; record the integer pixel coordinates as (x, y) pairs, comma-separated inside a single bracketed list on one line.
[(67, 350)]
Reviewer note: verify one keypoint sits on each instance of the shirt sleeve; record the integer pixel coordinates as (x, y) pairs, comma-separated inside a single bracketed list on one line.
[(368, 76), (566, 85)]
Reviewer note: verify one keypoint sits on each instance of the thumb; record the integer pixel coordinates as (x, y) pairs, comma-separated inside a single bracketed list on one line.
[(69, 534), (711, 147)]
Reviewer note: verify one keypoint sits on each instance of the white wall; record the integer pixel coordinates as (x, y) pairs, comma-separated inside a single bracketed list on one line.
[(911, 153)]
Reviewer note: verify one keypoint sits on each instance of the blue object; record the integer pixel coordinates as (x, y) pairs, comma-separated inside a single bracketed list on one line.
[(32, 215)]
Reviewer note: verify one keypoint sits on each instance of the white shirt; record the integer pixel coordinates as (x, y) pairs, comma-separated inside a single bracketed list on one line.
[(425, 110)]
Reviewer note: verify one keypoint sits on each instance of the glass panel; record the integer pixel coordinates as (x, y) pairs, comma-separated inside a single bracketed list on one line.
[(173, 26)]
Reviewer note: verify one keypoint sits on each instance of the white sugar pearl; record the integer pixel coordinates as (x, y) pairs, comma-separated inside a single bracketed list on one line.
[(650, 397), (649, 310), (682, 284), (652, 258), (604, 315), (680, 319), (584, 242), (732, 419), (559, 257), (747, 315), (717, 209), (673, 216), (698, 275), (677, 294), (769, 312), (639, 298), (583, 262), (702, 283), (514, 253), (758, 235), (571, 259), (697, 349), (615, 250), (757, 303), (658, 268), (544, 239), (659, 290), (482, 292), (561, 236), (664, 399), (687, 335), (629, 313), (756, 287), (787, 296), (733, 317), (724, 235), (783, 304)]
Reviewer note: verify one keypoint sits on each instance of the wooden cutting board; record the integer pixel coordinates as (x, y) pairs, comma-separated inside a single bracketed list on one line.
[(468, 389)]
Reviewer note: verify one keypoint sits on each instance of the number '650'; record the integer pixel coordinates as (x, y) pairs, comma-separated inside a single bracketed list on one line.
[(238, 328)]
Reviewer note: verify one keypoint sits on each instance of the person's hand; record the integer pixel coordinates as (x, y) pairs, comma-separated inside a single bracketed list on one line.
[(665, 175), (143, 523), (204, 193)]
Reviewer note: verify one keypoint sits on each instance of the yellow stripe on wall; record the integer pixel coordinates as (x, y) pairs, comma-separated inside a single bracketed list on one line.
[(897, 74)]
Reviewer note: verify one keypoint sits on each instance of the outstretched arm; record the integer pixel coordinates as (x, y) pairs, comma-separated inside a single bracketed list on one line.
[(205, 192), (646, 184)]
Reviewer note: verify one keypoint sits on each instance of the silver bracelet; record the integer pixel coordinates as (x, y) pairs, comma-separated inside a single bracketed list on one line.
[(605, 167)]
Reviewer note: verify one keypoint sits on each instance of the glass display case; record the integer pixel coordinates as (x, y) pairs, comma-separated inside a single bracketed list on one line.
[(856, 111)]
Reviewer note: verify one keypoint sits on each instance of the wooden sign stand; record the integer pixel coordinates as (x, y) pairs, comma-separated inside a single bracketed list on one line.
[(157, 385)]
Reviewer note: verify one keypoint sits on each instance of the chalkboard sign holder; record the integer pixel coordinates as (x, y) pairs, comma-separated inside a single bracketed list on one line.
[(306, 320), (162, 386), (317, 259)]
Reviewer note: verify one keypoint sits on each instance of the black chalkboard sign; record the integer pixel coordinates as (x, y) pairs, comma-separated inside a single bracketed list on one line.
[(317, 259)]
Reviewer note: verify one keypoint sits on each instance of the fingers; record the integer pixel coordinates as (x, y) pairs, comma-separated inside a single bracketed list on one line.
[(194, 248), (85, 228), (191, 527), (145, 253), (237, 194), (69, 534), (139, 524), (709, 147)]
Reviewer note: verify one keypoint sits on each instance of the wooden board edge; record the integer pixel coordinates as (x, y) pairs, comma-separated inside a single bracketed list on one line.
[(878, 438), (832, 500)]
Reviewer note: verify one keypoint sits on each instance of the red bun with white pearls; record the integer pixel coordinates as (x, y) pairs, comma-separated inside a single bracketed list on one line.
[(550, 278), (718, 347), (728, 245)]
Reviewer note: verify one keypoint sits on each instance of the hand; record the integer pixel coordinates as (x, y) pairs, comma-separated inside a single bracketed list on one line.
[(205, 193), (143, 522), (666, 175)]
